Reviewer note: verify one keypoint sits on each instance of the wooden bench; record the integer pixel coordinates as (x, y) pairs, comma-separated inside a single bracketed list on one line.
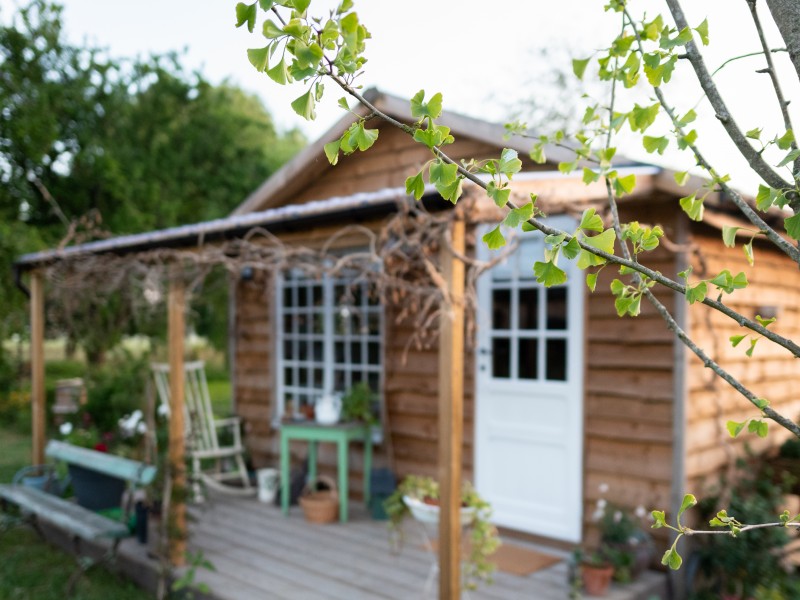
[(80, 523)]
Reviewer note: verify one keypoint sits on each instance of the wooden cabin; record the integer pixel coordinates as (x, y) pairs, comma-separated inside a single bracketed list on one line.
[(560, 394)]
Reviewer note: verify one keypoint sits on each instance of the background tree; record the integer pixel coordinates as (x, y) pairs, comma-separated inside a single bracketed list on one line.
[(91, 145)]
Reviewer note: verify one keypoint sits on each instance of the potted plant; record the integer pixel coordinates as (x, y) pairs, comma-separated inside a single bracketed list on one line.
[(625, 542), (596, 571), (418, 497), (358, 404)]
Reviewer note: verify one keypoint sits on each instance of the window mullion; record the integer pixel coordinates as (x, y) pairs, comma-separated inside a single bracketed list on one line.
[(328, 307)]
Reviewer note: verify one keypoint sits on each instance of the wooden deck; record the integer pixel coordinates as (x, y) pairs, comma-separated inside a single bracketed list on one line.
[(260, 554)]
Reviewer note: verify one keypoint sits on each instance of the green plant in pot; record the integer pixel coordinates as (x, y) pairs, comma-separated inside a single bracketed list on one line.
[(418, 496), (358, 404), (625, 543), (596, 570)]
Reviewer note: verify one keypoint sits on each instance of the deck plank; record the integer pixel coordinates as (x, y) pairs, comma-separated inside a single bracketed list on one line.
[(259, 553)]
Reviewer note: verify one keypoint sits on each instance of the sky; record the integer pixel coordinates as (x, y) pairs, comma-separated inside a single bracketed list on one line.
[(481, 56)]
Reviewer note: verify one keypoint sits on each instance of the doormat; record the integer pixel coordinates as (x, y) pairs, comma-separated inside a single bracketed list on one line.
[(516, 560), (521, 561)]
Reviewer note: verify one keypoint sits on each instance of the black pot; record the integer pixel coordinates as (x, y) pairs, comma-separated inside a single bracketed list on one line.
[(96, 491)]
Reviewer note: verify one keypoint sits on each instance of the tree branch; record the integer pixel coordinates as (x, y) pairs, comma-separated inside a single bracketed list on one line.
[(773, 75), (753, 157), (673, 326), (737, 199), (688, 531), (786, 14)]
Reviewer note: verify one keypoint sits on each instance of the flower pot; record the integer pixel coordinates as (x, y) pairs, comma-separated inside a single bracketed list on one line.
[(596, 578), (320, 506), (429, 513), (94, 490)]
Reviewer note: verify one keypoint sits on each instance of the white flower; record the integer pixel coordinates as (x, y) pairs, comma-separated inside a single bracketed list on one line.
[(618, 516), (641, 512), (66, 428), (601, 504), (163, 410), (129, 423), (598, 514), (141, 427), (603, 488)]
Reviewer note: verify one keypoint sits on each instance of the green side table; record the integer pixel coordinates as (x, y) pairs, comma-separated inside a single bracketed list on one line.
[(341, 434)]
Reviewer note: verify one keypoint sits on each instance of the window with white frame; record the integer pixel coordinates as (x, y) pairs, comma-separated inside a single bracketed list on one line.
[(330, 338)]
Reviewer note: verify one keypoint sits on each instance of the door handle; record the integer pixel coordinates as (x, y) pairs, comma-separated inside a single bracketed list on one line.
[(484, 352)]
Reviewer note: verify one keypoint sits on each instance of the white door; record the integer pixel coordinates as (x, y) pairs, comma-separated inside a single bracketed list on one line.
[(529, 393)]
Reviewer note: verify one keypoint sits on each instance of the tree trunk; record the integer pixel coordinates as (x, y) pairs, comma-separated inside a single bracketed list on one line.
[(786, 14)]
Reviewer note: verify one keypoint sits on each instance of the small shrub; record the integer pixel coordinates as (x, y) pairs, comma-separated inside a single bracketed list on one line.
[(116, 389), (748, 564)]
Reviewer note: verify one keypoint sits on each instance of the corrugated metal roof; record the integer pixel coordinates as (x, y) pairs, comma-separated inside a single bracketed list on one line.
[(198, 233)]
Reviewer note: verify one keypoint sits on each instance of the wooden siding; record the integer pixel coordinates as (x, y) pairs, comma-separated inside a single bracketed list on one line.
[(629, 394), (392, 159), (254, 378), (770, 373)]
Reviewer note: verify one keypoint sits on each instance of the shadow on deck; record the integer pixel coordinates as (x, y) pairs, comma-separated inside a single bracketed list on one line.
[(259, 554)]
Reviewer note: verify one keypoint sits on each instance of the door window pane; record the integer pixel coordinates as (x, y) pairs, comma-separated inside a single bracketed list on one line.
[(528, 358), (501, 309), (556, 360), (501, 358), (557, 308), (528, 308)]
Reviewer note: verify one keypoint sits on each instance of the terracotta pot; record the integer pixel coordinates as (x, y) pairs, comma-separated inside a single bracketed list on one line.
[(596, 579)]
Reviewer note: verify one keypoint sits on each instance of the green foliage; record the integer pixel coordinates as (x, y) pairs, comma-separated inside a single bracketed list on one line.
[(357, 137), (360, 404), (116, 389), (790, 448), (120, 146), (186, 584), (745, 562), (32, 568), (483, 535)]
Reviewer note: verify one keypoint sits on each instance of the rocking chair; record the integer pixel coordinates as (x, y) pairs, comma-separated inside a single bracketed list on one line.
[(202, 439)]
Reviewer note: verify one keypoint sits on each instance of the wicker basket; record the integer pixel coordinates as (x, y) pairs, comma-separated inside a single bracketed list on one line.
[(320, 506)]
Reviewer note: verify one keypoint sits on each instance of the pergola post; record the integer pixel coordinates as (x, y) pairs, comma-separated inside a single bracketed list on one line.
[(37, 367), (451, 415), (176, 328)]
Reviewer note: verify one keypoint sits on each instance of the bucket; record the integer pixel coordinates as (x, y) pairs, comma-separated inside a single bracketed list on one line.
[(267, 480)]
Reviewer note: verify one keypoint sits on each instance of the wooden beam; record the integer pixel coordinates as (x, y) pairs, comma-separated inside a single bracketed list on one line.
[(451, 416), (177, 456), (37, 367)]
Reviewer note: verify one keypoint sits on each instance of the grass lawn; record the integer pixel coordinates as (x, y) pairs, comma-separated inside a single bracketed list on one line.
[(16, 453), (220, 392), (31, 569)]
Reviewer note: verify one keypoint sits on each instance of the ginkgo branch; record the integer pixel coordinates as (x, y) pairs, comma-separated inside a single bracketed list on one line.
[(735, 196), (753, 157)]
